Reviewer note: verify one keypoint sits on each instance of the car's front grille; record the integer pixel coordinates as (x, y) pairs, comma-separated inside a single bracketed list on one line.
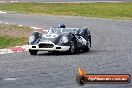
[(42, 45)]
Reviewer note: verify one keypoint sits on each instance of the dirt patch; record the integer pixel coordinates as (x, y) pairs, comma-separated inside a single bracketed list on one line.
[(14, 30)]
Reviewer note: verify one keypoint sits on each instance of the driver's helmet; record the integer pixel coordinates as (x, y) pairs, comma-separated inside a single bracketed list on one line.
[(61, 26)]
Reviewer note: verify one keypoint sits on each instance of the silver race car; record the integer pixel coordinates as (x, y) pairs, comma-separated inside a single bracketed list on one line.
[(60, 39)]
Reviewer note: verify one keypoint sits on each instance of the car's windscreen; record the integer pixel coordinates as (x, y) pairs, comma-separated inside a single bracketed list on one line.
[(69, 30), (55, 30), (61, 30)]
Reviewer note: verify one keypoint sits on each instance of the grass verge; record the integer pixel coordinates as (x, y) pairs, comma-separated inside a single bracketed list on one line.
[(103, 10), (12, 35), (7, 41)]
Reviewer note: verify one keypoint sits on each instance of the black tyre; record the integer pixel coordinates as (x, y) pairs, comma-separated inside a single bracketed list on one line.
[(33, 52), (73, 48), (90, 40), (87, 48)]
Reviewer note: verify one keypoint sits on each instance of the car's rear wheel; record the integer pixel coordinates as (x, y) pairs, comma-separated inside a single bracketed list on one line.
[(87, 48), (33, 52), (90, 40)]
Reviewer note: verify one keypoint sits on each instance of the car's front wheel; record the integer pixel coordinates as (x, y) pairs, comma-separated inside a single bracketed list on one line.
[(73, 48), (33, 52)]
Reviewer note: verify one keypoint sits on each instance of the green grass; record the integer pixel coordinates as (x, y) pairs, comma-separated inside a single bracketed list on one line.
[(103, 10), (12, 35), (7, 41)]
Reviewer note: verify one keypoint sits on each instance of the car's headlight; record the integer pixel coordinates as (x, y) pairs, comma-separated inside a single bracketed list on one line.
[(64, 39), (31, 39)]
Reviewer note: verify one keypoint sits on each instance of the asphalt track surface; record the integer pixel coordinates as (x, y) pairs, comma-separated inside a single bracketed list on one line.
[(111, 52), (65, 0)]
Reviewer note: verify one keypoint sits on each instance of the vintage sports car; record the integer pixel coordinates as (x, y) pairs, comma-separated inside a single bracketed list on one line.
[(70, 40)]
